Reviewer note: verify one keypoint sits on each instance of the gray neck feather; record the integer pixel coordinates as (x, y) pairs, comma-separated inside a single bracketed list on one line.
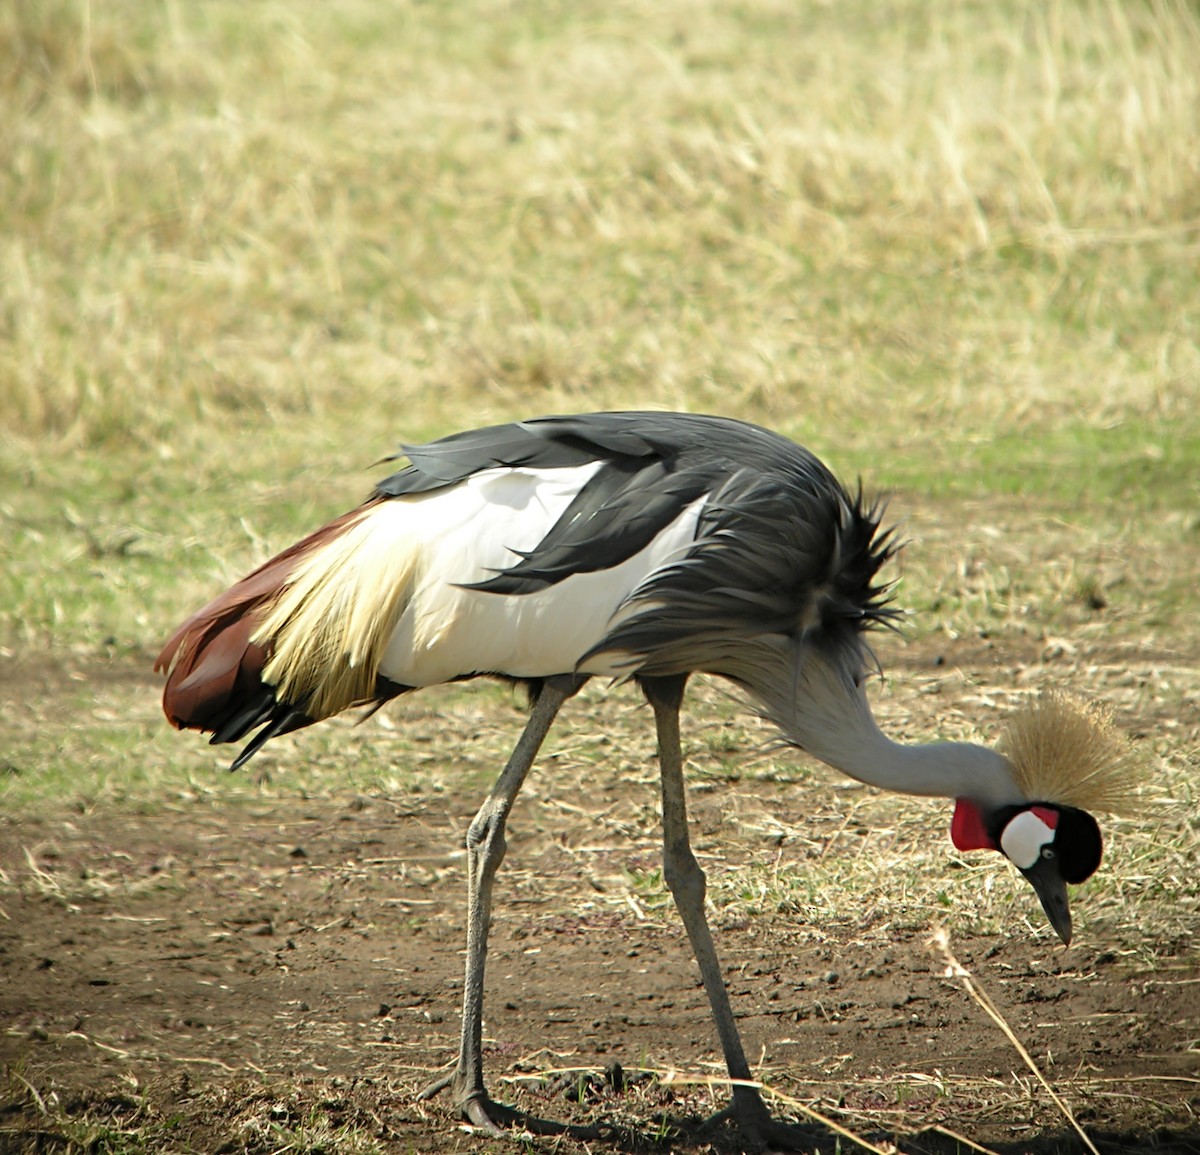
[(825, 711)]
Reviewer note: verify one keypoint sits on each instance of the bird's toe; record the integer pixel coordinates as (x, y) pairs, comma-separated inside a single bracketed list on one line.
[(489, 1116), (436, 1087)]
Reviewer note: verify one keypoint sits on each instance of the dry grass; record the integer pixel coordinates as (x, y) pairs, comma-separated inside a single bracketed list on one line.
[(382, 218)]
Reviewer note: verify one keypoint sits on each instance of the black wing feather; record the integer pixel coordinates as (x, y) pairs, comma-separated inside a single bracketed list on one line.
[(615, 515), (653, 466)]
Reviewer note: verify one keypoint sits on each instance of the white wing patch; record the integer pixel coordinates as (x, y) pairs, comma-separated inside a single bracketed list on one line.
[(475, 530)]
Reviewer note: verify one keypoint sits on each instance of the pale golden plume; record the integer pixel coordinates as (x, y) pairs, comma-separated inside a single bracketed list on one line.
[(1065, 750), (329, 625)]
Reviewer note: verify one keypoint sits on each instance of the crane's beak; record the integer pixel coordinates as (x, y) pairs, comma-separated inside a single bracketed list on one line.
[(1044, 877)]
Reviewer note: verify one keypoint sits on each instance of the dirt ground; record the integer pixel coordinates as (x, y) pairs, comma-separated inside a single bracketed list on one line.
[(252, 976)]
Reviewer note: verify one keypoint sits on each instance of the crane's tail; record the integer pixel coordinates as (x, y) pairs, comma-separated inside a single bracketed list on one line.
[(295, 641)]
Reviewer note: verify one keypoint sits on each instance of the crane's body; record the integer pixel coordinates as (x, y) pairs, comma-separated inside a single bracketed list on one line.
[(611, 544), (643, 546)]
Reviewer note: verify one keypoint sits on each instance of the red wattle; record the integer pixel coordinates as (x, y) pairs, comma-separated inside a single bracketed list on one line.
[(967, 830)]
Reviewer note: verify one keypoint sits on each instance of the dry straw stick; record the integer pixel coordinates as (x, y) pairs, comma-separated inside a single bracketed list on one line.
[(955, 970)]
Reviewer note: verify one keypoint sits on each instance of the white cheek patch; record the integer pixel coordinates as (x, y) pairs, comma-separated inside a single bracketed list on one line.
[(1024, 839)]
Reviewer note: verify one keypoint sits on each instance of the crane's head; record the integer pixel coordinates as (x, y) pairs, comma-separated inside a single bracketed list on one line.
[(1067, 758), (1050, 845)]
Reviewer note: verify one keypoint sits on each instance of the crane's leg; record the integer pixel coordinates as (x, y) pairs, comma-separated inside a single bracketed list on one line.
[(686, 882), (485, 851)]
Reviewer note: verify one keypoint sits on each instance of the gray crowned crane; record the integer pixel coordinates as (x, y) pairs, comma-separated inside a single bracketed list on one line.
[(644, 546)]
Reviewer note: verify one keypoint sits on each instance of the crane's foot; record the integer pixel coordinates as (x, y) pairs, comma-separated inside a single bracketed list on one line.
[(758, 1128), (438, 1086), (479, 1109)]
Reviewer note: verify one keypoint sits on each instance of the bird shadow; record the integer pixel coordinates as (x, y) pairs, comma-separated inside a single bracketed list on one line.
[(669, 1131)]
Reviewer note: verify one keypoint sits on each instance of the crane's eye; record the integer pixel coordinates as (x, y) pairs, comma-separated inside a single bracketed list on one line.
[(1047, 852)]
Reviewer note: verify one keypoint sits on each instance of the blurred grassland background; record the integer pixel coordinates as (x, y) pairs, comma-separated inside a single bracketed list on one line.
[(891, 228), (246, 249)]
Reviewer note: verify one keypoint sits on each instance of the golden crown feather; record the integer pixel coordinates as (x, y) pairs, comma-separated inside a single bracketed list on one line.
[(1067, 750)]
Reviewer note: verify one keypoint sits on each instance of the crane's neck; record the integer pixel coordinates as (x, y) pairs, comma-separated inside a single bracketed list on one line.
[(940, 769), (827, 714)]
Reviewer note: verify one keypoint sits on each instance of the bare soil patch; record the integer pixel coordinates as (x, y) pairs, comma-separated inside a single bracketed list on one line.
[(285, 974)]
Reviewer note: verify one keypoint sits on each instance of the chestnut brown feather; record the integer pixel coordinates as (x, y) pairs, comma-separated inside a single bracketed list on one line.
[(211, 663)]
